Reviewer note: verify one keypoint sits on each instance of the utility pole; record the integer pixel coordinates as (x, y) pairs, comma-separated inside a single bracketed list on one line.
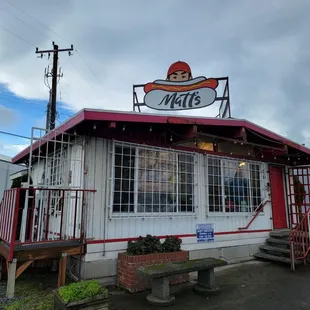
[(51, 108)]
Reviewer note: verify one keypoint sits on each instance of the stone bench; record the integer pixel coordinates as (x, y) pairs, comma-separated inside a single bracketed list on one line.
[(160, 295)]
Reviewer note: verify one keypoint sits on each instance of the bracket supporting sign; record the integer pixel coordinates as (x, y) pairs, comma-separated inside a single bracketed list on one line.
[(180, 91)]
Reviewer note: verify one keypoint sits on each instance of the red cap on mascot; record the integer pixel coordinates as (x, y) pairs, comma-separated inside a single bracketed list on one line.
[(179, 66)]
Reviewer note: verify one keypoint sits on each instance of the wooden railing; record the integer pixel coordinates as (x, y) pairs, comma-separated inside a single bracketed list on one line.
[(300, 240), (257, 211)]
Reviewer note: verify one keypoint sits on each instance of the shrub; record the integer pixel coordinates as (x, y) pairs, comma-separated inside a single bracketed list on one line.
[(81, 290), (144, 245), (151, 244), (172, 244)]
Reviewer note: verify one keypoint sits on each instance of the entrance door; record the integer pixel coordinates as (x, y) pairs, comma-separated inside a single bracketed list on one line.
[(277, 197)]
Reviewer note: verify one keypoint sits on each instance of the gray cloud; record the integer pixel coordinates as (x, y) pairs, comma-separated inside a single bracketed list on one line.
[(262, 46)]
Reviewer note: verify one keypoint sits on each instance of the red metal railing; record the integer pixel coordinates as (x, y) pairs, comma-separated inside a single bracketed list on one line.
[(257, 211), (300, 240), (36, 215), (8, 214)]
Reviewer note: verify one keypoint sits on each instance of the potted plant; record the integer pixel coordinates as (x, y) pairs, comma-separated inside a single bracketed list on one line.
[(81, 295), (148, 251)]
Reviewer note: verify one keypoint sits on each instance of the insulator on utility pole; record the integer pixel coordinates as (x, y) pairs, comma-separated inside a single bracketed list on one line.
[(51, 110)]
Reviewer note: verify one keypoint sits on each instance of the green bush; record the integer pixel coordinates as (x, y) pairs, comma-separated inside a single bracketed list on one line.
[(151, 244), (81, 290), (172, 244)]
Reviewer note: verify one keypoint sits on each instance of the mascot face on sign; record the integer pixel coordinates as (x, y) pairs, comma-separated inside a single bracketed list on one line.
[(180, 91), (179, 71)]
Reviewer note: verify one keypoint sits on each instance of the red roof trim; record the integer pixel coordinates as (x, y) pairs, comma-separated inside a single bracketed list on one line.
[(163, 119), (160, 119)]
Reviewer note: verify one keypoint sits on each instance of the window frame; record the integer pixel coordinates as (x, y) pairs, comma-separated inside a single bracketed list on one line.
[(135, 212), (224, 212)]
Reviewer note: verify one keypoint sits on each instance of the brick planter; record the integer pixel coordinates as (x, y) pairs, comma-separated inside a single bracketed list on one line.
[(128, 264)]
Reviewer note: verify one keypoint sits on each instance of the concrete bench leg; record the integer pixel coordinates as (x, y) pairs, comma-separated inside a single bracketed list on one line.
[(206, 282), (160, 295)]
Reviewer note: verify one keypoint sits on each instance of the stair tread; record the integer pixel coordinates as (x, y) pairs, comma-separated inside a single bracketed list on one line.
[(273, 257), (277, 240), (281, 233), (281, 259), (267, 247)]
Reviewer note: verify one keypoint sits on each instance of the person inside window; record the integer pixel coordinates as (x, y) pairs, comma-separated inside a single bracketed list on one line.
[(238, 193)]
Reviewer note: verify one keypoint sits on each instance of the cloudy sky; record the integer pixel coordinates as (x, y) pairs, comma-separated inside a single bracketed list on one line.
[(263, 46)]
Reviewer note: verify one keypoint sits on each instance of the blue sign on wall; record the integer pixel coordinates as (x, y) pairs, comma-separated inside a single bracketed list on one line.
[(205, 232)]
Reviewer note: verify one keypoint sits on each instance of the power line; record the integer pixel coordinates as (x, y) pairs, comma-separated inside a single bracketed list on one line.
[(36, 20), (43, 25), (89, 68), (22, 21), (14, 135), (17, 36), (83, 79)]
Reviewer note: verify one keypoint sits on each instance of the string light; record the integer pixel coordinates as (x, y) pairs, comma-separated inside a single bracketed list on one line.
[(151, 128), (95, 127), (124, 128), (262, 156), (170, 137)]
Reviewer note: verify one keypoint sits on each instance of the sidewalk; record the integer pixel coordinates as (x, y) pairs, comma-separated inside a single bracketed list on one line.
[(251, 286)]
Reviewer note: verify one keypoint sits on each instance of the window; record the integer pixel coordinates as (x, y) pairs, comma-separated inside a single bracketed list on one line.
[(152, 180), (234, 186)]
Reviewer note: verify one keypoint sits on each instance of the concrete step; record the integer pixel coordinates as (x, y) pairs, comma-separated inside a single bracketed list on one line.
[(277, 241), (276, 258), (266, 256), (280, 233), (274, 249)]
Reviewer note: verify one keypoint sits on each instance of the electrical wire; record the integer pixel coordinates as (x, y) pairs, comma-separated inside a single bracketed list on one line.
[(36, 20), (22, 21), (17, 36), (83, 79), (55, 33), (14, 135), (89, 68)]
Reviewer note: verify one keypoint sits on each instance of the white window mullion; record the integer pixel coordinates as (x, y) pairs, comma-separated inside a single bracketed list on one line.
[(251, 176), (112, 177), (136, 180), (222, 186), (206, 184)]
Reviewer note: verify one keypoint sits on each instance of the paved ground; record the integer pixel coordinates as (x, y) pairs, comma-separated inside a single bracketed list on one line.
[(245, 287)]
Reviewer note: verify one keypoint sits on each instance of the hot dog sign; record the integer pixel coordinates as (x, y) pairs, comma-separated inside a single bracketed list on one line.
[(180, 91)]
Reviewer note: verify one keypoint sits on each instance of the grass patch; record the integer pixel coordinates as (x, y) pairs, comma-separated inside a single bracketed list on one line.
[(33, 291)]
